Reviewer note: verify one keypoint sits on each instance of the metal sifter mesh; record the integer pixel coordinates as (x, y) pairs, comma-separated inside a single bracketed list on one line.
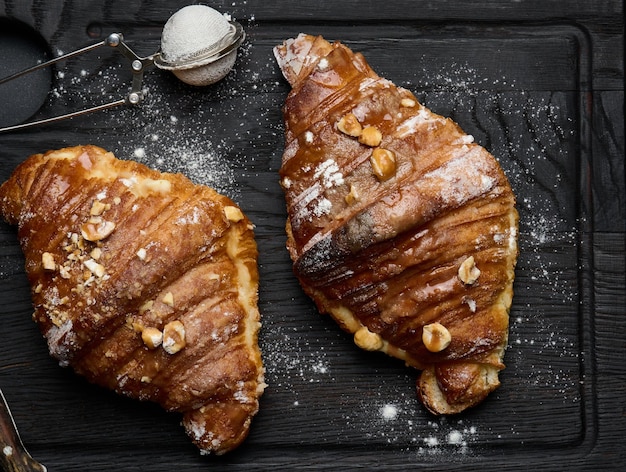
[(198, 44), (192, 32)]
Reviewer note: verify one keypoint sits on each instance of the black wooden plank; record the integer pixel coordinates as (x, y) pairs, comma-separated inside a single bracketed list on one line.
[(538, 83)]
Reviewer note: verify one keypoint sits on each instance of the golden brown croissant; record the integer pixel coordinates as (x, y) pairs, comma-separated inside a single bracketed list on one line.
[(399, 225), (144, 283)]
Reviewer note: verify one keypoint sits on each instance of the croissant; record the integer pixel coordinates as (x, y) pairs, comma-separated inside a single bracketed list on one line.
[(143, 283), (399, 226)]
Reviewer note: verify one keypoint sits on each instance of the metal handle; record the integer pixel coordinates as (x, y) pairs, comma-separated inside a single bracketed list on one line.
[(13, 454), (134, 97)]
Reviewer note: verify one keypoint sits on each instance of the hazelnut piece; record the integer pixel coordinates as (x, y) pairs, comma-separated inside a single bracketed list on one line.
[(468, 272), (95, 268), (348, 124), (352, 197), (233, 214), (97, 208), (168, 299), (436, 337), (174, 337), (371, 136), (96, 229), (47, 261), (383, 163), (151, 337)]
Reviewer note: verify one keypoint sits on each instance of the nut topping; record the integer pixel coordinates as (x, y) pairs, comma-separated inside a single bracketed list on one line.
[(47, 261), (168, 299), (353, 196), (383, 163), (468, 272), (96, 253), (96, 229), (436, 337), (151, 337), (174, 337), (146, 306), (141, 254), (97, 208), (348, 124), (233, 214), (367, 340), (95, 268), (371, 136)]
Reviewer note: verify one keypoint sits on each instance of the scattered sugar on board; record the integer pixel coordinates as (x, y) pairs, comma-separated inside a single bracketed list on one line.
[(401, 422), (537, 338), (534, 138), (290, 362), (153, 133)]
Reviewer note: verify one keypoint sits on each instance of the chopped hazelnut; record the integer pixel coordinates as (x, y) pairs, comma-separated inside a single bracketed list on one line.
[(371, 136), (146, 306), (47, 261), (137, 326), (383, 163), (367, 340), (233, 214), (471, 303), (141, 254), (348, 124), (174, 337), (168, 299), (96, 230), (468, 272), (436, 337), (97, 208), (96, 253), (95, 268), (353, 196), (408, 102), (151, 337), (64, 272)]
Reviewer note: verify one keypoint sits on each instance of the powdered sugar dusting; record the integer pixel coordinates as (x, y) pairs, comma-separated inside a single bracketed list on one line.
[(533, 134), (543, 354), (155, 134)]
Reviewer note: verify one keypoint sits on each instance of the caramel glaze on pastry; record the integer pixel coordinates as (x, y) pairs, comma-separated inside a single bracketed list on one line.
[(399, 225), (144, 283)]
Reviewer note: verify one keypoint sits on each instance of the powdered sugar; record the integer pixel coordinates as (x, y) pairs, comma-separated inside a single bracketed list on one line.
[(329, 173), (59, 341), (389, 412), (543, 354), (155, 135)]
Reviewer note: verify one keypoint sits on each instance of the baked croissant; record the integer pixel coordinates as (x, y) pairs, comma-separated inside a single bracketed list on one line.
[(143, 283), (399, 225)]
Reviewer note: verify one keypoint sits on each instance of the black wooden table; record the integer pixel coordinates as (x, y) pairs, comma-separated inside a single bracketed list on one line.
[(539, 83)]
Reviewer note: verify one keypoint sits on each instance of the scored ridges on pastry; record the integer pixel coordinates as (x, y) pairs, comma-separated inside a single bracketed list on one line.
[(144, 283), (399, 225)]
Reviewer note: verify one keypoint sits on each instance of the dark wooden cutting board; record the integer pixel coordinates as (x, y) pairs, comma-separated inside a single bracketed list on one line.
[(538, 83)]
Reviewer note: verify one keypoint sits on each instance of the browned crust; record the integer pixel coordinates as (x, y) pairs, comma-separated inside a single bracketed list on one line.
[(388, 261), (174, 256)]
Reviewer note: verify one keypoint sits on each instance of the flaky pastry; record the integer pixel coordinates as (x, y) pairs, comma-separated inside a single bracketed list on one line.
[(399, 225), (144, 283)]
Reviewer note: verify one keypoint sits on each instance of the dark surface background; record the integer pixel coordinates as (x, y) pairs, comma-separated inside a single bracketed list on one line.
[(539, 83)]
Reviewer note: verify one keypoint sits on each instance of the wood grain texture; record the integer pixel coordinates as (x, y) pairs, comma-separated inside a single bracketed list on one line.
[(538, 83)]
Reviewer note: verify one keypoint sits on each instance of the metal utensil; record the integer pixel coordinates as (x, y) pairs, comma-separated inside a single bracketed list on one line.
[(13, 454), (134, 97), (206, 66)]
